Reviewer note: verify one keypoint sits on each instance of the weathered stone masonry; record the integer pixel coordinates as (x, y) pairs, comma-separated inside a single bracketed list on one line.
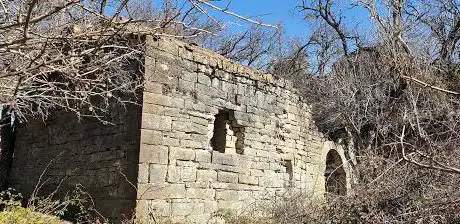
[(68, 152), (217, 135), (211, 134)]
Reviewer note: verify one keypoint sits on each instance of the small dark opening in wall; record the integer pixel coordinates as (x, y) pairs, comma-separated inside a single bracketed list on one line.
[(227, 129), (219, 138), (289, 170), (335, 174)]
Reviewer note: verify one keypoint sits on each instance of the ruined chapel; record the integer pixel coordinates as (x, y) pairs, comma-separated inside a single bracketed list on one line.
[(208, 134)]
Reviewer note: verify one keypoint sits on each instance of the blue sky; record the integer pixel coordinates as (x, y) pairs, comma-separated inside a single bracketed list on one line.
[(272, 12), (287, 13)]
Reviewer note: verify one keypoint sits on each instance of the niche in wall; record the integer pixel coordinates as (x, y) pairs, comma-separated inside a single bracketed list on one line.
[(228, 135)]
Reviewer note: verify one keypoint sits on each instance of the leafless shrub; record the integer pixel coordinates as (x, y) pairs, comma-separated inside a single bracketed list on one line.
[(84, 56), (394, 105)]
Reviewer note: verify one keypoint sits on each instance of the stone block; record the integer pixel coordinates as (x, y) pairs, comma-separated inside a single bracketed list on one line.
[(146, 208), (157, 154), (143, 173), (189, 76), (227, 177), (157, 173), (186, 86), (256, 173), (173, 175), (142, 210), (187, 126), (187, 174), (153, 87), (261, 165), (181, 154), (204, 79), (197, 185), (206, 175), (191, 144), (225, 159), (153, 109), (203, 156), (171, 142), (227, 195), (245, 196), (271, 180), (162, 100), (197, 193), (186, 208), (231, 205), (156, 122), (153, 191), (151, 137), (246, 179)]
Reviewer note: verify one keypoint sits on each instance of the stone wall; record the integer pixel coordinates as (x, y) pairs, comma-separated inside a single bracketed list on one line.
[(210, 135), (101, 158), (217, 135)]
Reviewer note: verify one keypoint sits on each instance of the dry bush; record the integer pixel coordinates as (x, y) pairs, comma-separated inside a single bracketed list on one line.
[(75, 207), (400, 135)]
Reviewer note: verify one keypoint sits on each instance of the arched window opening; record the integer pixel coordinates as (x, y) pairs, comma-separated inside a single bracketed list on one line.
[(336, 180)]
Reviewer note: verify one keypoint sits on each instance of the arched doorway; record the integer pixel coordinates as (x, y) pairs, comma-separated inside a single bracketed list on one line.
[(336, 179)]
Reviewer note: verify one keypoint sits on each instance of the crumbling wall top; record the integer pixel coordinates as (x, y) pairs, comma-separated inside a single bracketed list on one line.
[(212, 59)]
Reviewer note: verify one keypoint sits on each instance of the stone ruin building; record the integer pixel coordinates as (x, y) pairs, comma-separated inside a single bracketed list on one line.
[(209, 134)]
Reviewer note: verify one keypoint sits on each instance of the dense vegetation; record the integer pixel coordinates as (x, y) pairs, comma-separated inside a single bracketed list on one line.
[(390, 94)]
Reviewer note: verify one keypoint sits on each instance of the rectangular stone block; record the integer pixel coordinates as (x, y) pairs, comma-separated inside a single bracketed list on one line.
[(203, 156), (153, 109), (181, 154), (157, 173), (143, 173), (153, 87), (231, 205), (157, 154), (227, 177), (191, 144), (156, 122), (160, 208), (197, 193), (206, 175), (153, 191), (189, 76), (260, 165), (162, 100), (187, 174), (186, 208), (171, 142), (246, 179), (271, 180), (245, 196), (187, 126), (227, 195), (186, 86), (151, 137), (225, 159), (197, 185), (204, 79), (173, 175)]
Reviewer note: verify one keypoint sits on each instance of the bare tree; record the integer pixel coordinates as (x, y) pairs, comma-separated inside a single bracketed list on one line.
[(323, 10), (84, 56), (394, 105)]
